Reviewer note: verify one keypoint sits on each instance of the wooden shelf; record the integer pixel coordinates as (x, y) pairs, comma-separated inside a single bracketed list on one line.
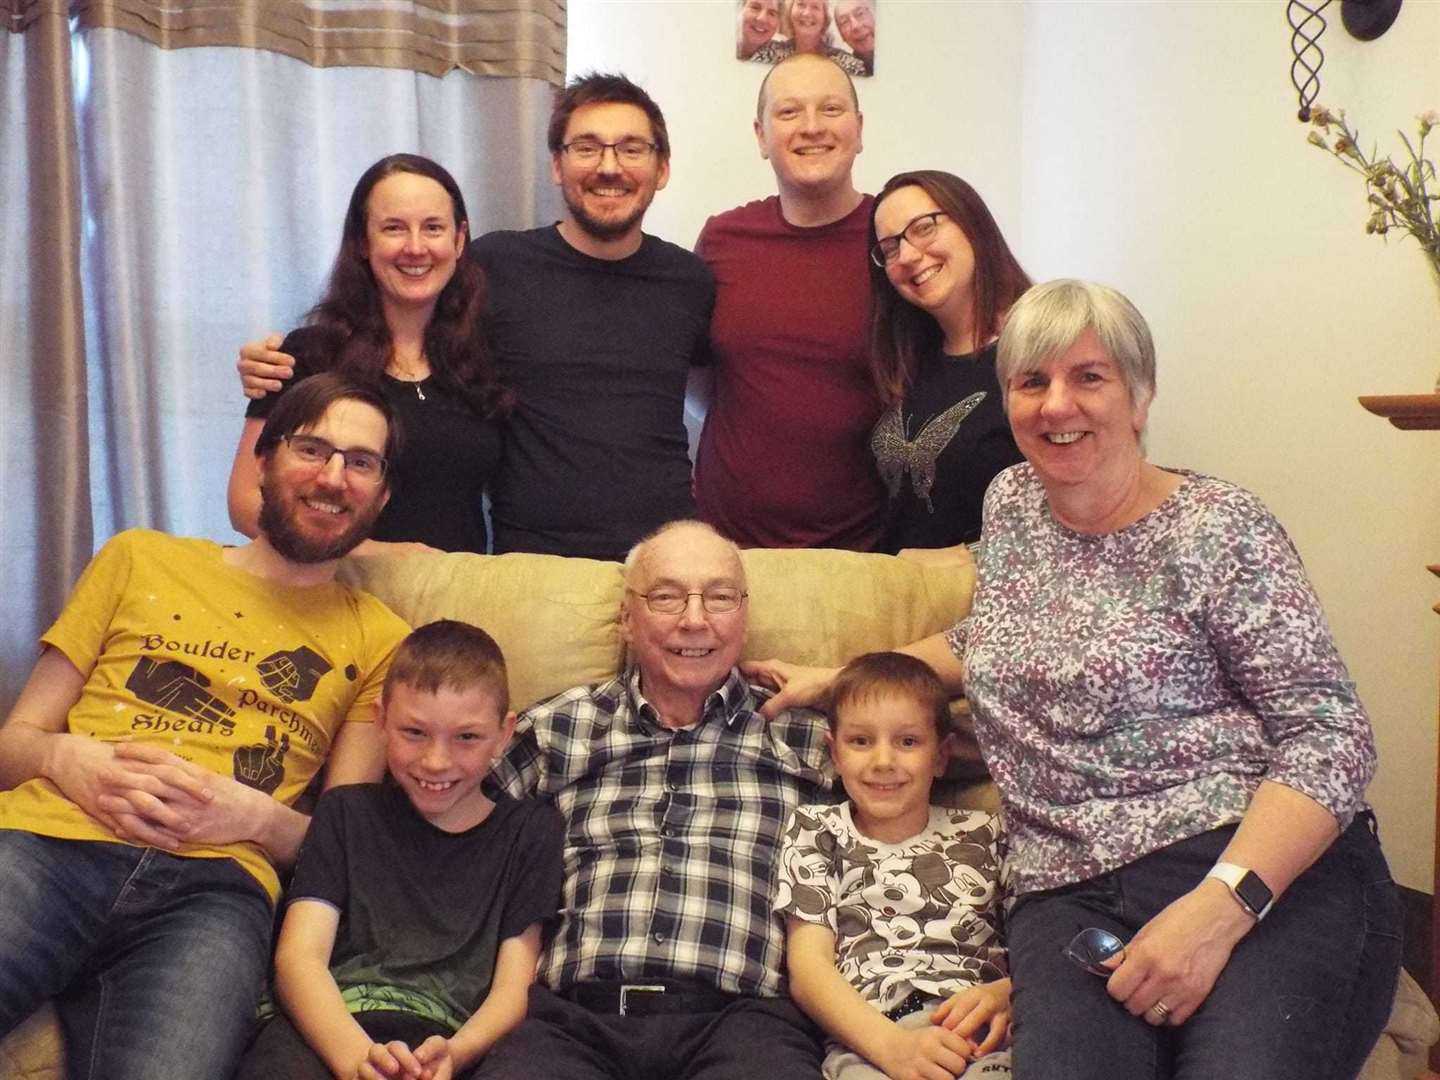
[(1421, 412), (1409, 412)]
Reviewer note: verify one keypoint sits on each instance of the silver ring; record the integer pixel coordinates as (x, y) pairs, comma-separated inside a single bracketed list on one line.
[(1161, 1011)]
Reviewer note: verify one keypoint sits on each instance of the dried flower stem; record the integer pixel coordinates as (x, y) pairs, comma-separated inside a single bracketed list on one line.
[(1399, 198)]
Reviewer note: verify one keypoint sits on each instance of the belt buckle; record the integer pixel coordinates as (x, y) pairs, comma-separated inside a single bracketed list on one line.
[(641, 988)]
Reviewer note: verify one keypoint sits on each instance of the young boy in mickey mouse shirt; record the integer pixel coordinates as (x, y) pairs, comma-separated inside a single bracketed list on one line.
[(892, 906)]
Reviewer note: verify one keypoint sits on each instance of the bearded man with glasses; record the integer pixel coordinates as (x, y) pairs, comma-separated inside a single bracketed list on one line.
[(185, 697), (667, 959), (596, 327)]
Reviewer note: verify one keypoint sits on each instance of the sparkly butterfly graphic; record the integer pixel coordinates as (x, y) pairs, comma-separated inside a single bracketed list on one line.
[(895, 455)]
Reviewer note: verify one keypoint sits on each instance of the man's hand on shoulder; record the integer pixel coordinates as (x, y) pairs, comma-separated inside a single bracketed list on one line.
[(795, 686), (263, 368)]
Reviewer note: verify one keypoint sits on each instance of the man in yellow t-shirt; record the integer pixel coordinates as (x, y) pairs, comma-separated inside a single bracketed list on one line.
[(185, 697)]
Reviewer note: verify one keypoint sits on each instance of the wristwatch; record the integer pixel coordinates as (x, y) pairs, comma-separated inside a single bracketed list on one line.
[(1246, 886)]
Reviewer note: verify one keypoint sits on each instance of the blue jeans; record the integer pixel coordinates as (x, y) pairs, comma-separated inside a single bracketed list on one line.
[(156, 961), (1304, 995)]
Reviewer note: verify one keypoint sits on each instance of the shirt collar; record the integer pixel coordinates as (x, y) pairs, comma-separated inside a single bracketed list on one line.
[(730, 703)]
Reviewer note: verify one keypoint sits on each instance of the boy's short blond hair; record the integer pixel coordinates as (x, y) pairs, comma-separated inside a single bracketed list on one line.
[(877, 675), (452, 654)]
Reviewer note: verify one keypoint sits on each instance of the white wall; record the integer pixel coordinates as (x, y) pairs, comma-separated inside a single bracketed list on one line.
[(1155, 147), (966, 117)]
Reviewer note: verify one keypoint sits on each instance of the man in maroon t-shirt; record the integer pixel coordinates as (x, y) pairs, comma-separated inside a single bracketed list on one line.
[(784, 457)]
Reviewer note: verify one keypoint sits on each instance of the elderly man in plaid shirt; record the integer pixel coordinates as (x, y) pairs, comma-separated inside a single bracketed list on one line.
[(667, 960)]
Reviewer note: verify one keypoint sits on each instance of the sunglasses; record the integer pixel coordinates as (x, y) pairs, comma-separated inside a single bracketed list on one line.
[(1089, 949)]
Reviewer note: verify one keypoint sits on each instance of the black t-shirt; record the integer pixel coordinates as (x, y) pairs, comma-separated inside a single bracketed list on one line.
[(597, 352), (422, 911), (938, 450), (448, 456)]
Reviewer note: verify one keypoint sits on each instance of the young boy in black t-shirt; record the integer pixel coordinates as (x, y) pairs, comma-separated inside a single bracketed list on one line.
[(414, 919)]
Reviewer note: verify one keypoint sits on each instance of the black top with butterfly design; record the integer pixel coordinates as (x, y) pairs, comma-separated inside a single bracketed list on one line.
[(938, 450)]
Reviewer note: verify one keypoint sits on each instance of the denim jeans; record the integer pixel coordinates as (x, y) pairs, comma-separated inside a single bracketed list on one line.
[(1305, 994), (156, 961)]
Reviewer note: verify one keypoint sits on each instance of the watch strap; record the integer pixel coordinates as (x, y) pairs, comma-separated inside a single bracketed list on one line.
[(1248, 888)]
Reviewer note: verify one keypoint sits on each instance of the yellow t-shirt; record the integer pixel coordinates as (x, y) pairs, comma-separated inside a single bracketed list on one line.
[(245, 677)]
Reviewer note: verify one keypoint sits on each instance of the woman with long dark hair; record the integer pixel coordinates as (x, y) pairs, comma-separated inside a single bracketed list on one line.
[(404, 309), (942, 279)]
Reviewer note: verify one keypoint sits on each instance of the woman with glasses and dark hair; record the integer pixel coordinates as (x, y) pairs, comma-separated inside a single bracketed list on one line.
[(405, 311), (942, 279), (1181, 754)]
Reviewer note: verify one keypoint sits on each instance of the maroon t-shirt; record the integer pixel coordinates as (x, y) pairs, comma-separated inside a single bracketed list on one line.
[(784, 457)]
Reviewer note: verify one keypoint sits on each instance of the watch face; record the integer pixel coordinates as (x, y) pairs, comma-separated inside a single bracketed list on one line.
[(1254, 892)]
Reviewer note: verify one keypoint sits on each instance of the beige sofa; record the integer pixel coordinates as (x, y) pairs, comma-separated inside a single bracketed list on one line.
[(556, 620)]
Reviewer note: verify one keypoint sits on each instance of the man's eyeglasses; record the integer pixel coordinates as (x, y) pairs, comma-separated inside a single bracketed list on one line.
[(920, 231), (668, 601), (627, 151), (363, 465), (1089, 949)]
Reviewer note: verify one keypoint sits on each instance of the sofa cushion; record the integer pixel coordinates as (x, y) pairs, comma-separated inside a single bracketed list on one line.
[(554, 618), (557, 619)]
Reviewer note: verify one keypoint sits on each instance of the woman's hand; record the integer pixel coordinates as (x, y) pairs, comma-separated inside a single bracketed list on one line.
[(263, 368), (1177, 956), (795, 686)]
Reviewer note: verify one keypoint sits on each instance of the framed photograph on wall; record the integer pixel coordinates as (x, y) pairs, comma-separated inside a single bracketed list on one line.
[(767, 31)]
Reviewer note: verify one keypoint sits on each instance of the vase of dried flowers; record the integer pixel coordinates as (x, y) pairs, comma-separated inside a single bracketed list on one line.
[(1400, 198)]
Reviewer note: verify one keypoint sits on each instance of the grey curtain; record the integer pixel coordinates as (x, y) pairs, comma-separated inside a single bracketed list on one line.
[(523, 38), (45, 522), (178, 202)]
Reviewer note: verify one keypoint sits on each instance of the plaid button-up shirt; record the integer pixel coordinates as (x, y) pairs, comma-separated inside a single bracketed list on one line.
[(670, 835)]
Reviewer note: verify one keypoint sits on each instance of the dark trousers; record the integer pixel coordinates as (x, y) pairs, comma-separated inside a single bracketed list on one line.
[(752, 1039), (280, 1052), (1304, 996)]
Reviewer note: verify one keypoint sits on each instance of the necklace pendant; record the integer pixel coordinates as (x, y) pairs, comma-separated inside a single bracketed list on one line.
[(419, 393)]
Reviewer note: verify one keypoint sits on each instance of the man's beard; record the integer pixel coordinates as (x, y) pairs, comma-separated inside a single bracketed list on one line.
[(277, 524), (604, 228)]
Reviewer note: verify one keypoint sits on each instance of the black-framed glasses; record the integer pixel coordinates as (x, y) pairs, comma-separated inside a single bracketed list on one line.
[(665, 600), (362, 464), (919, 231), (1090, 948), (630, 151)]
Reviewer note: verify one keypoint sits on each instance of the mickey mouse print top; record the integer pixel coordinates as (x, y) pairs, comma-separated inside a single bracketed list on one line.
[(922, 914)]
